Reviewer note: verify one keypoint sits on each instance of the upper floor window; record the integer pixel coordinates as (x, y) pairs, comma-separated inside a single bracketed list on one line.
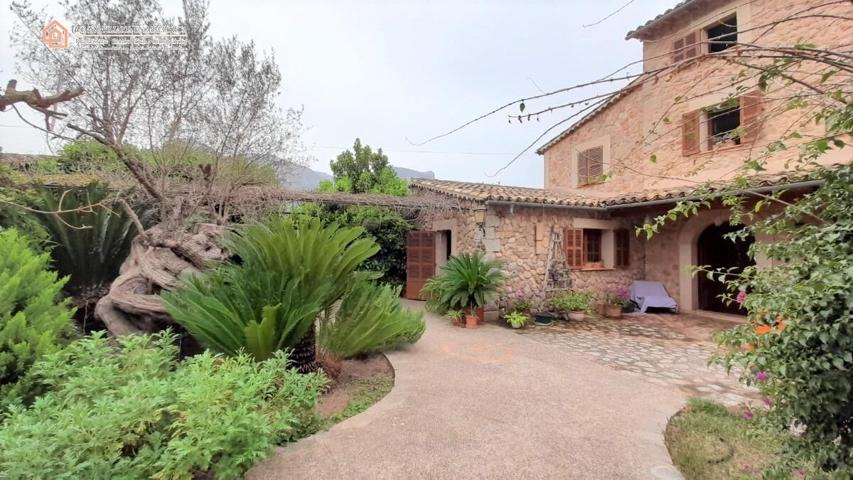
[(722, 35), (723, 121), (590, 165)]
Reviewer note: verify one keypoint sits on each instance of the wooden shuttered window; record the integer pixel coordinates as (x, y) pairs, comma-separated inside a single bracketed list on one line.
[(573, 246), (622, 243), (751, 109), (590, 165), (686, 47), (690, 132)]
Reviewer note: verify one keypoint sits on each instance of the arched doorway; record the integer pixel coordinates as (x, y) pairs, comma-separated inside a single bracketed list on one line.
[(719, 252)]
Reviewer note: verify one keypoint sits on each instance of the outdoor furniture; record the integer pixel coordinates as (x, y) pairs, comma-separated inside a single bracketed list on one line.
[(651, 294)]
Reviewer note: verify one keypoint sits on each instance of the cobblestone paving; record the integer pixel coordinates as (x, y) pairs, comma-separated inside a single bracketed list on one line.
[(653, 346)]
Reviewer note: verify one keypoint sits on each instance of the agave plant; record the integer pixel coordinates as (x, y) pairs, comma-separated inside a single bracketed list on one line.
[(466, 281), (287, 272), (369, 319), (90, 243)]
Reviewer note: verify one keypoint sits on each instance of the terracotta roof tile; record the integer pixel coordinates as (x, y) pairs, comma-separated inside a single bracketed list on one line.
[(484, 192)]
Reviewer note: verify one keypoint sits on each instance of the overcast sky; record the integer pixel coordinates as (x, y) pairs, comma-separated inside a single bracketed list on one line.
[(394, 72)]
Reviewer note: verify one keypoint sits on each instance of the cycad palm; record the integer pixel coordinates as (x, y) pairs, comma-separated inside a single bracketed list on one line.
[(467, 281), (287, 273)]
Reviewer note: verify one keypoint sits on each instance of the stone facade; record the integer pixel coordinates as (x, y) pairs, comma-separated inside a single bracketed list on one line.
[(521, 238), (630, 129), (623, 127)]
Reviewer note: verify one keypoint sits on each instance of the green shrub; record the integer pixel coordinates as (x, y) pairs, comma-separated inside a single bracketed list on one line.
[(138, 413), (34, 320), (466, 281), (90, 244), (796, 346), (566, 302), (385, 226), (288, 272), (369, 319)]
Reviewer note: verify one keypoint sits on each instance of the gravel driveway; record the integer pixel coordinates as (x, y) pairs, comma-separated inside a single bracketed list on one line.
[(492, 404)]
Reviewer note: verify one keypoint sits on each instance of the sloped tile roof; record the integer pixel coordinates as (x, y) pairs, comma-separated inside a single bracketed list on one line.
[(485, 192), (669, 13)]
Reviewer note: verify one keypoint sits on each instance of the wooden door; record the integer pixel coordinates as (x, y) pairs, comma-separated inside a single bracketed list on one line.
[(420, 261), (714, 249)]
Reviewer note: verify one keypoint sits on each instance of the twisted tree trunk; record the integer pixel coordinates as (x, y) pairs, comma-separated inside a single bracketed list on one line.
[(157, 257)]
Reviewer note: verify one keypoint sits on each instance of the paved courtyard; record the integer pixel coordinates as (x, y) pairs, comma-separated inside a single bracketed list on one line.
[(665, 349)]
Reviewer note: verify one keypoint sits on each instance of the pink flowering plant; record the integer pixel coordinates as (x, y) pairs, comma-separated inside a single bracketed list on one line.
[(617, 296), (797, 344)]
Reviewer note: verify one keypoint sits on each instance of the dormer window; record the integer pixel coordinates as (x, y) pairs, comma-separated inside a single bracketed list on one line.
[(722, 35)]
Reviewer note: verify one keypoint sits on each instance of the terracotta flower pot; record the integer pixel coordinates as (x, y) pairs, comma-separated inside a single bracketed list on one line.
[(613, 311), (577, 316), (471, 321)]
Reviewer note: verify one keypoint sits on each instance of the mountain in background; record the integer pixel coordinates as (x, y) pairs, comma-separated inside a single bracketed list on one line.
[(304, 179)]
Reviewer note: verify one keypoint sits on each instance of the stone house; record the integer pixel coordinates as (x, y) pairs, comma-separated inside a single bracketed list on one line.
[(689, 119)]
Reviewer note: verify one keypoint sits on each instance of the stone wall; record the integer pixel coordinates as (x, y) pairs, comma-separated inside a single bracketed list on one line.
[(623, 128)]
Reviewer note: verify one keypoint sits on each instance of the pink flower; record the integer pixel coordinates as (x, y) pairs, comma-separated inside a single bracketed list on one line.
[(767, 402), (747, 414), (741, 297), (761, 376)]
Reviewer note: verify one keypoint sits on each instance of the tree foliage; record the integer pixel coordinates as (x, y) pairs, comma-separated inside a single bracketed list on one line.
[(363, 170), (34, 320), (138, 413)]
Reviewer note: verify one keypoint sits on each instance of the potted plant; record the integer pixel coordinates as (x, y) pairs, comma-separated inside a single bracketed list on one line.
[(614, 300), (521, 305), (575, 305), (466, 282), (517, 319), (455, 316)]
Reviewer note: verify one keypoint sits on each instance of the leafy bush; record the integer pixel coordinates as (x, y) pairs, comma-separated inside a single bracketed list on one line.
[(288, 271), (466, 281), (33, 319), (796, 346), (517, 319), (385, 226), (91, 243), (369, 319), (566, 302), (138, 413)]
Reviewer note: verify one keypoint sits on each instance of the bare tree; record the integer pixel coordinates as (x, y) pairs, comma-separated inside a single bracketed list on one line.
[(189, 124)]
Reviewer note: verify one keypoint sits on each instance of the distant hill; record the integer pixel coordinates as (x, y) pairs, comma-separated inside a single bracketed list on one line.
[(304, 179)]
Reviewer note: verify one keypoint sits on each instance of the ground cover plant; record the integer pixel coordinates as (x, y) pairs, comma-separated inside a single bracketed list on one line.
[(708, 441), (137, 412), (34, 318)]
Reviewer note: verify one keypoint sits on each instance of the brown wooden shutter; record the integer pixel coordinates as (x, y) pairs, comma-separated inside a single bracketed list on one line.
[(690, 133), (595, 163), (691, 45), (623, 247), (751, 109), (583, 168), (573, 245), (420, 261), (678, 50)]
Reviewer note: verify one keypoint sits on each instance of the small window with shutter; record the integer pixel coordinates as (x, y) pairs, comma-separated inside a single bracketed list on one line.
[(590, 165), (592, 246), (622, 242), (573, 247), (686, 47)]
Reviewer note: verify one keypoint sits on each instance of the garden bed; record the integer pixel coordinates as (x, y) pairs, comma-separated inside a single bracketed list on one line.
[(360, 384)]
